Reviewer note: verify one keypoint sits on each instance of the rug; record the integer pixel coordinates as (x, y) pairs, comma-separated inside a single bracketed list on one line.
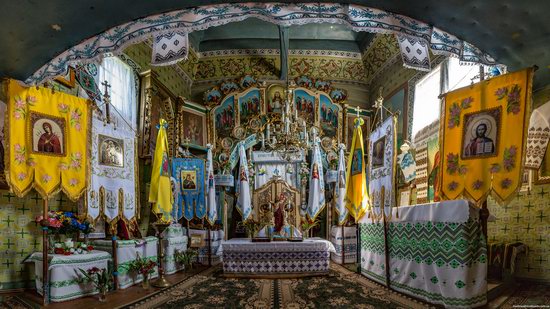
[(14, 302), (340, 289), (529, 295)]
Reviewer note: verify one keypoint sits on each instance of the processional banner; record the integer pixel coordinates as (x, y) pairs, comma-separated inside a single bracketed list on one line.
[(341, 187), (160, 193), (382, 168), (47, 141), (211, 188), (357, 198), (483, 138), (316, 189), (113, 190), (189, 175)]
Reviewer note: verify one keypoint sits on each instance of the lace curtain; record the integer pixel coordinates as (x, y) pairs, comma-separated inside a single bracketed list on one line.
[(123, 92)]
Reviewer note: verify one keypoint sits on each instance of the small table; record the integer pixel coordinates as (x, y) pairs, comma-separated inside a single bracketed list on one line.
[(127, 252), (243, 258), (64, 274)]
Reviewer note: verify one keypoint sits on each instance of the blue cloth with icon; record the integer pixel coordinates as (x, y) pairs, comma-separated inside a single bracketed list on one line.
[(189, 174)]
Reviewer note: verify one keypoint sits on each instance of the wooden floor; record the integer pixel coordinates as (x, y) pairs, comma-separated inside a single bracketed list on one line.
[(115, 299)]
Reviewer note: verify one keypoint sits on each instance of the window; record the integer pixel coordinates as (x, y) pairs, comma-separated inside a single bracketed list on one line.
[(461, 75), (123, 92), (426, 100)]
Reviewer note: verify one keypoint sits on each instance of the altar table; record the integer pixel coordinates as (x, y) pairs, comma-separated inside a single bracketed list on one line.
[(242, 257), (127, 251), (437, 252), (64, 274)]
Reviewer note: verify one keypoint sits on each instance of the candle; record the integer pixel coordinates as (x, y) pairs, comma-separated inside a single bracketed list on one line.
[(268, 126)]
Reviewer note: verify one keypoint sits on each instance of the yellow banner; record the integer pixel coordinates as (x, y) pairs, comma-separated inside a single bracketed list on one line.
[(160, 192), (484, 133), (357, 197), (48, 141)]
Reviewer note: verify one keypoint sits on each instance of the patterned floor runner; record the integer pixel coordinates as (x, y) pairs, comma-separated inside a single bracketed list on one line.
[(529, 295), (341, 289)]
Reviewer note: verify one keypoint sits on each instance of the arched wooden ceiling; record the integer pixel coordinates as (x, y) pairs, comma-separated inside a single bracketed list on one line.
[(516, 33)]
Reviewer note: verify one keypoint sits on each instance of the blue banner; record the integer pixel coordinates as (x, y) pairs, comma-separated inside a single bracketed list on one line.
[(189, 174)]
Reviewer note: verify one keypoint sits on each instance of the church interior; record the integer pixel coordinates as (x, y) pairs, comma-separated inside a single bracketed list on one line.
[(231, 154)]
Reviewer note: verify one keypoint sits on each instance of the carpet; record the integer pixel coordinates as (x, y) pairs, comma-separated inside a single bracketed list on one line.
[(14, 302), (340, 289), (529, 295)]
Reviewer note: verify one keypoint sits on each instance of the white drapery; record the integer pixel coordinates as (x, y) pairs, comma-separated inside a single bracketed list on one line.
[(123, 92)]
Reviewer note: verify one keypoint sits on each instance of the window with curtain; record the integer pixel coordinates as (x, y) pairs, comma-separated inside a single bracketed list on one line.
[(426, 100), (123, 93)]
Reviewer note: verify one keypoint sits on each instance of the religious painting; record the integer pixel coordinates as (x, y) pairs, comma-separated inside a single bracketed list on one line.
[(111, 151), (276, 99), (224, 117), (328, 116), (396, 102), (305, 105), (357, 162), (196, 241), (193, 127), (350, 127), (3, 183), (249, 105), (48, 134), (480, 135), (189, 180), (378, 153)]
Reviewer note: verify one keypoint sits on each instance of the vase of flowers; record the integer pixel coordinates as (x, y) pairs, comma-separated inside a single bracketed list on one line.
[(308, 225), (186, 258), (100, 278), (252, 227), (64, 223), (145, 267)]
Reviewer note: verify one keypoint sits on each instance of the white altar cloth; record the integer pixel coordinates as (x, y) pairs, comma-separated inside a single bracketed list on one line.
[(64, 274), (127, 251), (437, 252)]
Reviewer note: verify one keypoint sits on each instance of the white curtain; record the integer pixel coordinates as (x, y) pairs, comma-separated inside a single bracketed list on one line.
[(123, 92), (266, 171)]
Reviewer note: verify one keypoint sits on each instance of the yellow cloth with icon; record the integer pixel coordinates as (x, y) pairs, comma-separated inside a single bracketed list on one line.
[(357, 197), (48, 137), (160, 192), (484, 137)]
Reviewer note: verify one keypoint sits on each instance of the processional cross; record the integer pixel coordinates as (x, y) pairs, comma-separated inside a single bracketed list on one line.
[(107, 99)]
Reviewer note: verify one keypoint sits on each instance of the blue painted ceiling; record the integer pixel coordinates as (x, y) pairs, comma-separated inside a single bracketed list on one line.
[(516, 33), (255, 33)]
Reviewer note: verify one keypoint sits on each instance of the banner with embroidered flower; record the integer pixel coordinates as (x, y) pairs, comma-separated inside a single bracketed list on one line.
[(484, 137), (48, 141)]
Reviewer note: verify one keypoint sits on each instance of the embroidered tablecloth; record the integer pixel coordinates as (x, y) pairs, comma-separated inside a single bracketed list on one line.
[(64, 274), (171, 245), (127, 251), (350, 244), (437, 253), (242, 256)]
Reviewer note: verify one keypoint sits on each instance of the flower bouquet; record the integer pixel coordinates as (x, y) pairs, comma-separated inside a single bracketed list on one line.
[(187, 258), (252, 227), (100, 278), (68, 248), (308, 225), (64, 223), (143, 266)]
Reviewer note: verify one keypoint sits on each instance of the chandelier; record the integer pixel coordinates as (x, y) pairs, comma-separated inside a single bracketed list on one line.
[(287, 133)]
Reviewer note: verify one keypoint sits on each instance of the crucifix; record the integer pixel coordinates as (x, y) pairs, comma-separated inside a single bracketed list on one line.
[(107, 100)]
